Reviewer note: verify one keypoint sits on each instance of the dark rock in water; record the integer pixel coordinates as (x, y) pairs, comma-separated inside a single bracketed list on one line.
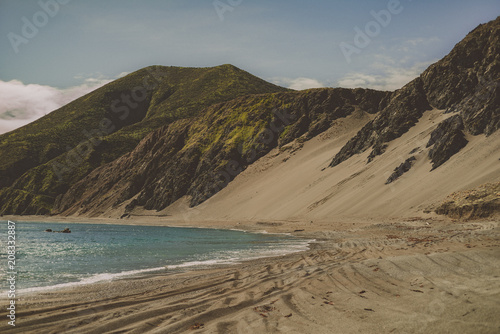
[(401, 169), (66, 230), (448, 138), (48, 230)]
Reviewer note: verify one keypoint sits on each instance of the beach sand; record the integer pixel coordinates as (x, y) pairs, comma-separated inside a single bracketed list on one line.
[(414, 275)]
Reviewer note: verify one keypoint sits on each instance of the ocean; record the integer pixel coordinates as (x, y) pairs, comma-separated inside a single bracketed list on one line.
[(96, 252)]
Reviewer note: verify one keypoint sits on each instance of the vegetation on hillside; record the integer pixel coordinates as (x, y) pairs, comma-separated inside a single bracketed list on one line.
[(43, 159), (201, 156)]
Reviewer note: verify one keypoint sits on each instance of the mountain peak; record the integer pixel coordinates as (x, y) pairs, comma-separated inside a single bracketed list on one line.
[(131, 106), (465, 81)]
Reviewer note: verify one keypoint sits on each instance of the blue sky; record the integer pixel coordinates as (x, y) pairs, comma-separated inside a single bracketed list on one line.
[(82, 44)]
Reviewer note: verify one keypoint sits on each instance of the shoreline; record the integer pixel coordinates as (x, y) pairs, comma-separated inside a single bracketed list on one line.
[(300, 228), (406, 275), (146, 272)]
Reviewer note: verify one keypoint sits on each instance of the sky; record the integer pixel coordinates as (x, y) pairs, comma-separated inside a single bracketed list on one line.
[(54, 51)]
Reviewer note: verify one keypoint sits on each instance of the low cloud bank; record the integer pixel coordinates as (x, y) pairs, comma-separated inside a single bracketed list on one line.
[(21, 103)]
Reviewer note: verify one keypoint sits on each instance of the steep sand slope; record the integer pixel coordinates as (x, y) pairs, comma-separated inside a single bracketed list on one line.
[(296, 184)]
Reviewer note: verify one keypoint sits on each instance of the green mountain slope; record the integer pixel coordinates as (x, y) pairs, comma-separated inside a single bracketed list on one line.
[(201, 156), (41, 160)]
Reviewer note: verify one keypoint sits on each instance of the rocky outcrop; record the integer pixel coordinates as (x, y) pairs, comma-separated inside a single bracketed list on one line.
[(482, 202), (446, 140), (403, 111), (401, 169), (199, 157), (466, 81)]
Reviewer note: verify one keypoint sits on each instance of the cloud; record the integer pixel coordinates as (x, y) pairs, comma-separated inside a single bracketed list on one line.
[(419, 42), (297, 83), (394, 66), (383, 77), (24, 103)]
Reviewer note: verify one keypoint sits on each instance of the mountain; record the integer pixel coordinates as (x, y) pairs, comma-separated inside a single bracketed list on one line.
[(264, 152), (200, 157), (42, 159), (466, 83)]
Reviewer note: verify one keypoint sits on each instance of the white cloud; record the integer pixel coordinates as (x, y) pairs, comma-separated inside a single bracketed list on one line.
[(383, 77), (297, 83), (22, 104), (393, 67), (121, 75), (410, 44)]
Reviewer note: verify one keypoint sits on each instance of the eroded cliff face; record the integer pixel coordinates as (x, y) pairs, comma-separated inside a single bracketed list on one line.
[(199, 157), (466, 83), (403, 111), (481, 202)]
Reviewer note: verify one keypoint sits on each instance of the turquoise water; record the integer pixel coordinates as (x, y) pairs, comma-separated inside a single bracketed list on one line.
[(95, 252)]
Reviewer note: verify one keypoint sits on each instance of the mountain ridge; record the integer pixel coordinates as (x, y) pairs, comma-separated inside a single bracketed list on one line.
[(455, 83), (36, 162), (196, 156), (236, 142)]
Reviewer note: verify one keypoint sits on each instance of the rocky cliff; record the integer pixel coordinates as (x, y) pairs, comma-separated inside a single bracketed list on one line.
[(465, 83), (199, 157), (481, 202)]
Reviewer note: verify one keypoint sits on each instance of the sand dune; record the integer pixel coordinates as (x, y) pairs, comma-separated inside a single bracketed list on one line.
[(296, 184), (382, 261)]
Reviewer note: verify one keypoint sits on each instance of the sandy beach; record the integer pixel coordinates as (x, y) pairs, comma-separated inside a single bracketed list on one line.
[(416, 275)]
